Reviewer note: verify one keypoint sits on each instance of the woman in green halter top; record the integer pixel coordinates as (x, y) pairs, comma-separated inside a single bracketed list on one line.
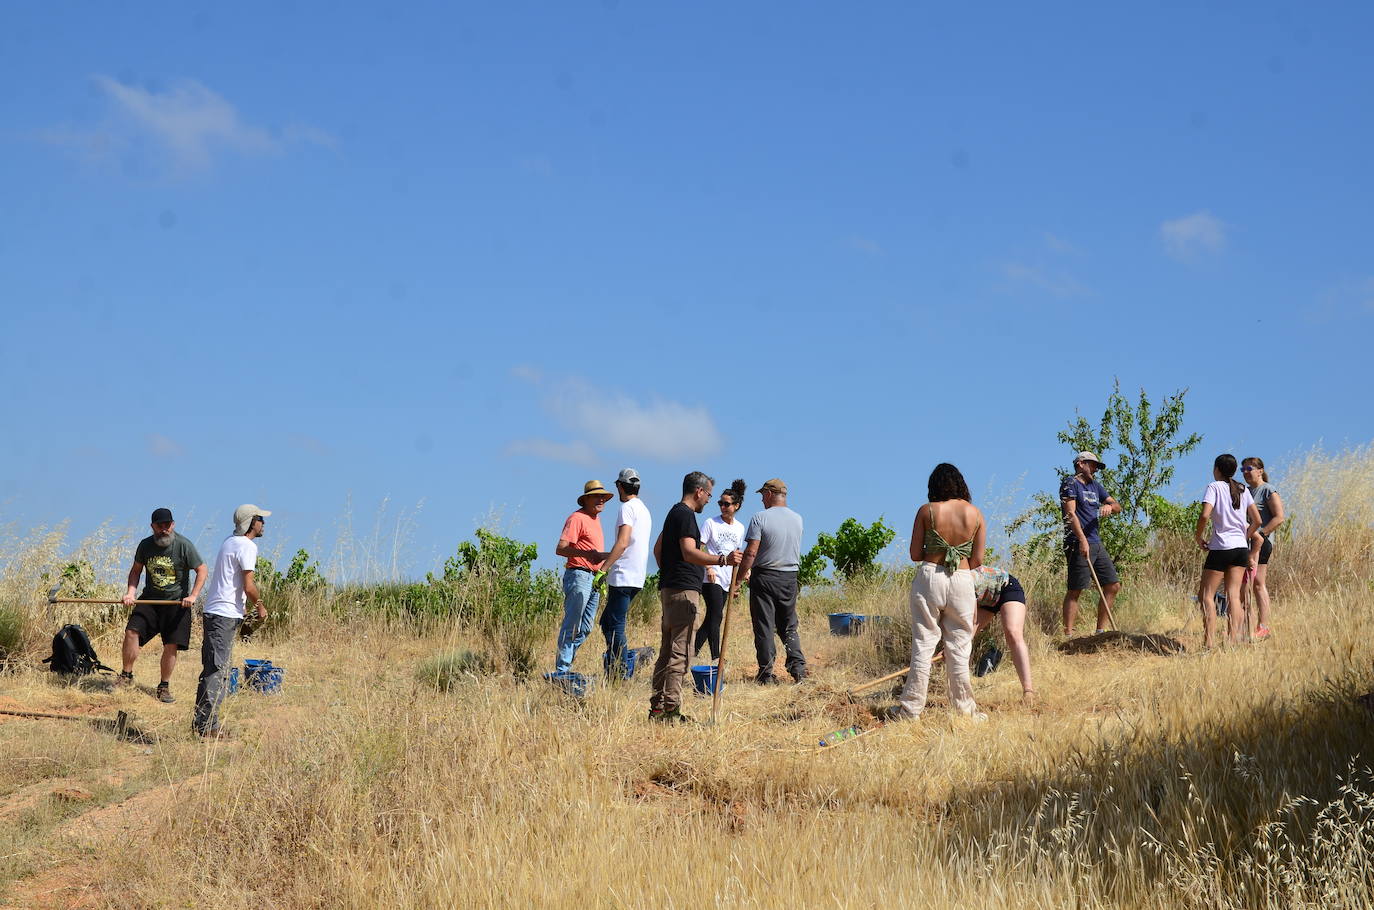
[(943, 602)]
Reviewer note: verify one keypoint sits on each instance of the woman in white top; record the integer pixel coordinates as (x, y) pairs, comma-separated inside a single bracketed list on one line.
[(1232, 548), (720, 535)]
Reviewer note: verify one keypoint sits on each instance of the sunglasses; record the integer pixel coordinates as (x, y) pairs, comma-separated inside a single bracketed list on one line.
[(259, 518), (1247, 469)]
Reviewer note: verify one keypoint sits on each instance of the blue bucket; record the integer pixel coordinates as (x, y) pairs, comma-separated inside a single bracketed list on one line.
[(632, 658), (847, 623), (262, 676), (574, 684), (704, 679)]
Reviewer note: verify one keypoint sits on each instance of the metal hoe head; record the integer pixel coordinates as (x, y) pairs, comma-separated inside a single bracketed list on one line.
[(52, 595)]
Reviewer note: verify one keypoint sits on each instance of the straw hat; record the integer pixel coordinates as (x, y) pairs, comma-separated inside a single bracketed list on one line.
[(594, 488)]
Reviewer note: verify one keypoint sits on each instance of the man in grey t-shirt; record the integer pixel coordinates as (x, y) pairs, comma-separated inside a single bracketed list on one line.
[(770, 564)]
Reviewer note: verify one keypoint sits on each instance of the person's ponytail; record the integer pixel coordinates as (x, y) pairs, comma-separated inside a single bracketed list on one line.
[(1226, 467)]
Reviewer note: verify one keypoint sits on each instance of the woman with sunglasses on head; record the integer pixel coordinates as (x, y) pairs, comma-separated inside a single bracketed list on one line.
[(1271, 515), (1232, 548), (721, 535)]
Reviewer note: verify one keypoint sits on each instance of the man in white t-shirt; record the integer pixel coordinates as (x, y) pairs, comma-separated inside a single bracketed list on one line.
[(627, 565), (231, 586)]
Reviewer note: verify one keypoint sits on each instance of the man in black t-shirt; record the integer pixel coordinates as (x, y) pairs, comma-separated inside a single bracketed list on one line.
[(681, 562), (168, 559)]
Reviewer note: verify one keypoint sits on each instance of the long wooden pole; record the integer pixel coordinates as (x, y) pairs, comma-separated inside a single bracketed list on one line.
[(891, 676), (1110, 618), (724, 640), (105, 600)]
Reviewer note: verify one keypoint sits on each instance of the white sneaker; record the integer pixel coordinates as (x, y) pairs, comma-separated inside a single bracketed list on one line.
[(978, 717)]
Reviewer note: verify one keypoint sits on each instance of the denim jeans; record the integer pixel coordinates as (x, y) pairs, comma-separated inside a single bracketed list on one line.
[(579, 606), (613, 626)]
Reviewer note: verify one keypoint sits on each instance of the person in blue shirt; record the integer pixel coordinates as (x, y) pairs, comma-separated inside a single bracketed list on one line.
[(1085, 502)]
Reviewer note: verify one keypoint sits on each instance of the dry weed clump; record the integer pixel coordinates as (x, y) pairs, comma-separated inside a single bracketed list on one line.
[(1142, 781)]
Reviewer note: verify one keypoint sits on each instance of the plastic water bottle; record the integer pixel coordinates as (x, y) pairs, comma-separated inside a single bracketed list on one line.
[(840, 736)]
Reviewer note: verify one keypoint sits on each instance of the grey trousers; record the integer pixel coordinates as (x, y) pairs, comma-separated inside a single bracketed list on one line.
[(217, 643), (773, 611)]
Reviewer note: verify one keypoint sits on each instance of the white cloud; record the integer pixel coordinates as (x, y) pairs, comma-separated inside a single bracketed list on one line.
[(188, 123), (525, 371), (578, 452), (1060, 245), (656, 428), (1060, 284), (1193, 236), (164, 447), (865, 245)]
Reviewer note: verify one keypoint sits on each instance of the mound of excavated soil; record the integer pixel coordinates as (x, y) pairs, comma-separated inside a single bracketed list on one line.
[(1123, 641)]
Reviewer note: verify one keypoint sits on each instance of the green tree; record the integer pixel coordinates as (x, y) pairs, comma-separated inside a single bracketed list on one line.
[(1147, 442), (810, 567), (853, 549), (493, 554)]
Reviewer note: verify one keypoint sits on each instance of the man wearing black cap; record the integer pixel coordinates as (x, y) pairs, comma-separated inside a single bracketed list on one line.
[(168, 558)]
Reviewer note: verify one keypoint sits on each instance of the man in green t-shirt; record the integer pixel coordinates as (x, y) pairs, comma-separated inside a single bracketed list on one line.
[(168, 559)]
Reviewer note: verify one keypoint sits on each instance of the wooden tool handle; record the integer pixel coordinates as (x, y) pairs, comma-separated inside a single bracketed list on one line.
[(106, 600)]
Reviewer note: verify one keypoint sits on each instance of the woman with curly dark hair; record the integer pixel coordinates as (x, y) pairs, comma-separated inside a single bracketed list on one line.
[(721, 535), (943, 602)]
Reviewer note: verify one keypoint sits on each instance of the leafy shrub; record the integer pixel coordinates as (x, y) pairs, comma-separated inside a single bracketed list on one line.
[(11, 634), (854, 548)]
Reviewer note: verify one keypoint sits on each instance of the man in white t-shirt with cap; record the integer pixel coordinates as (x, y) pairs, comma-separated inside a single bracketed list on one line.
[(232, 585), (626, 567)]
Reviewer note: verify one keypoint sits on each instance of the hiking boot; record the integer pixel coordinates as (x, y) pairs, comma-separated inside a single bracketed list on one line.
[(672, 717), (767, 679), (124, 679), (163, 693), (219, 734), (1262, 632), (799, 678)]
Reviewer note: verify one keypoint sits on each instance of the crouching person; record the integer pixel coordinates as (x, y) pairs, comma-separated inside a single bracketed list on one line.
[(231, 586)]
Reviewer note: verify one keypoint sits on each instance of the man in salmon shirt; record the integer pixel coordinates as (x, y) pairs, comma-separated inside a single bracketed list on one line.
[(582, 543)]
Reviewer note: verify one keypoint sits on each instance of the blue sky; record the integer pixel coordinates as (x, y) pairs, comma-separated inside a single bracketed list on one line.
[(417, 266)]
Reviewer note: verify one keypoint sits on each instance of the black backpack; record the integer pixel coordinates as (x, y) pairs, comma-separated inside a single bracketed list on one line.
[(72, 653)]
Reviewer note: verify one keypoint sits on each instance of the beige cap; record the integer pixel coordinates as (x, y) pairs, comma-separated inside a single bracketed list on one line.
[(774, 486), (1089, 456), (244, 515), (594, 488)]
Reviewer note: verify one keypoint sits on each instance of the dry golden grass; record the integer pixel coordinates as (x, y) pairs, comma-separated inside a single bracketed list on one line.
[(1237, 778)]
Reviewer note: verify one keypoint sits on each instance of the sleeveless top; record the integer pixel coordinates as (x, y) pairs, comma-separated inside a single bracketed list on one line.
[(1261, 495), (954, 553)]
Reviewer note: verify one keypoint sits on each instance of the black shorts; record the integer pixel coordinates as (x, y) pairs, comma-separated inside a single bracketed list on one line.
[(1265, 551), (1080, 575), (172, 622), (1221, 560), (1012, 593)]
